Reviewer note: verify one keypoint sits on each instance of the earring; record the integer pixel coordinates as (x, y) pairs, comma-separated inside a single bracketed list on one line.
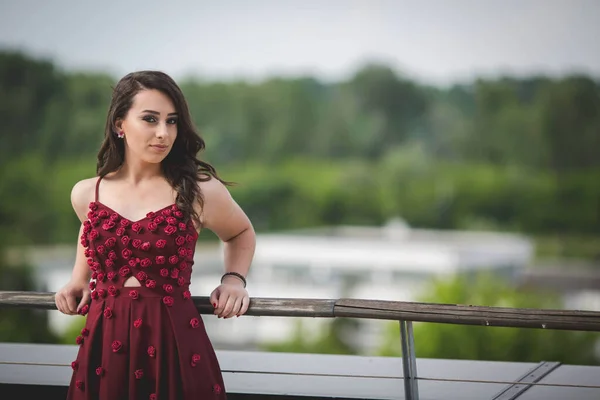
[(120, 134)]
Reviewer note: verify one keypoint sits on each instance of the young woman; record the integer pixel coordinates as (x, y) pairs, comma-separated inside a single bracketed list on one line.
[(141, 216)]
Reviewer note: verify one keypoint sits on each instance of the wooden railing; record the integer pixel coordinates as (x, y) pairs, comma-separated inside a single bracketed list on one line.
[(573, 320), (404, 312)]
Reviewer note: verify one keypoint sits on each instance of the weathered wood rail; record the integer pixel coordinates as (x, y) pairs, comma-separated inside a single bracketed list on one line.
[(574, 320)]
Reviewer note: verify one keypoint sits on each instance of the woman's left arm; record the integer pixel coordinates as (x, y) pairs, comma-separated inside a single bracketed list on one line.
[(223, 216)]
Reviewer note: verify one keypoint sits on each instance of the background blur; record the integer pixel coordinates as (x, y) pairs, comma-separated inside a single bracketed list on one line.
[(442, 151)]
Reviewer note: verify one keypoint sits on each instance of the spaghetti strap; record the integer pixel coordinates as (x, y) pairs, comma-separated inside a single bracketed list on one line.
[(97, 186)]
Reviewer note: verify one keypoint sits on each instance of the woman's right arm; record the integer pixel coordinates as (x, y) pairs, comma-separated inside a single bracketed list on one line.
[(76, 293)]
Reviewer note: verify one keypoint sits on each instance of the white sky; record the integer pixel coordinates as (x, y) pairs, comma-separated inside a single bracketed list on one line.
[(435, 41)]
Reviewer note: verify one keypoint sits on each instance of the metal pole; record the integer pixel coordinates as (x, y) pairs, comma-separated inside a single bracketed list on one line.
[(409, 361)]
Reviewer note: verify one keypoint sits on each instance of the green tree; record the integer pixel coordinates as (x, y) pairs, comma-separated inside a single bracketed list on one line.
[(448, 341), (21, 325)]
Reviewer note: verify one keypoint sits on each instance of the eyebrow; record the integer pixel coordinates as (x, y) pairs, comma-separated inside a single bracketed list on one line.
[(157, 113)]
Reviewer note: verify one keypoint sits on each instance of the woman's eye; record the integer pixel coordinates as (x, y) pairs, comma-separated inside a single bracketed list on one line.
[(149, 119), (172, 121)]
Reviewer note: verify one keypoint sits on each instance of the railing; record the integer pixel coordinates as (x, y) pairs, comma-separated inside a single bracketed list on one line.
[(404, 312)]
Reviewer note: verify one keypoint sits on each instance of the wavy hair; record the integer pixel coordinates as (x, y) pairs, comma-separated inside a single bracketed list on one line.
[(181, 167)]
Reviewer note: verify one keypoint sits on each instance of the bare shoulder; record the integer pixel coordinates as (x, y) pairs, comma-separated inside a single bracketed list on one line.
[(220, 212), (214, 193), (82, 194)]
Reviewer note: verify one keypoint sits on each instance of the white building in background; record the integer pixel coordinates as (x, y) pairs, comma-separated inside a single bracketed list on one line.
[(384, 263)]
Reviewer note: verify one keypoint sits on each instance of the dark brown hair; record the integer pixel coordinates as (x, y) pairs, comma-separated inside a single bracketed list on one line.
[(181, 167)]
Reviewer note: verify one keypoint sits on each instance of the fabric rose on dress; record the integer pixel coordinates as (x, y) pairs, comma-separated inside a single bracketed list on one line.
[(84, 310), (116, 346), (134, 294), (137, 323), (137, 228), (79, 385), (108, 313), (168, 301), (170, 229), (182, 252), (179, 240), (79, 340), (187, 294), (150, 283), (168, 288), (113, 291), (152, 226), (145, 246), (75, 365), (139, 373), (217, 388), (194, 322), (145, 263), (152, 351), (125, 240), (100, 371), (195, 359), (141, 276), (124, 271)]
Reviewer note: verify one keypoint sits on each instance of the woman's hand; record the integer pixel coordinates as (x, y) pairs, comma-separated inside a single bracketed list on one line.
[(230, 299), (66, 298)]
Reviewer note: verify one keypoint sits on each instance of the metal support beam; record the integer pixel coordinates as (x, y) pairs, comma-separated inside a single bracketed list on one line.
[(525, 382), (409, 361)]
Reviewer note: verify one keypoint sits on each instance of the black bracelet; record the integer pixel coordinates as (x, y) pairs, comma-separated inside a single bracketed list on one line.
[(240, 276)]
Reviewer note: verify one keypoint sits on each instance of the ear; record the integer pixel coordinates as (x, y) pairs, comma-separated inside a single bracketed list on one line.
[(118, 127)]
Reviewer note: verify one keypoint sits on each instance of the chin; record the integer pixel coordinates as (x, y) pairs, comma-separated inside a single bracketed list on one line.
[(154, 159)]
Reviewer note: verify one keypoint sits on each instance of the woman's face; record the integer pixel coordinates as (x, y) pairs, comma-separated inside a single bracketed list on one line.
[(150, 127)]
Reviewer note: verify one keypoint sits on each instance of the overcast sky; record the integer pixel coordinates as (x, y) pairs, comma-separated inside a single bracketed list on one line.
[(435, 41)]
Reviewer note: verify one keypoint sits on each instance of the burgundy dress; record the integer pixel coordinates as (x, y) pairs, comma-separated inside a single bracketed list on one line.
[(149, 341)]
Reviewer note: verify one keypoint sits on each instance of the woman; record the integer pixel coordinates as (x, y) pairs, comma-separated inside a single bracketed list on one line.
[(143, 337)]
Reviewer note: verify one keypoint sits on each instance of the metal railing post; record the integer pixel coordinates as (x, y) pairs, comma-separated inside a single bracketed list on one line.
[(409, 361)]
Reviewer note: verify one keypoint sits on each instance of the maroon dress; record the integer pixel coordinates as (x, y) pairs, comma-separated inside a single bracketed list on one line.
[(148, 341)]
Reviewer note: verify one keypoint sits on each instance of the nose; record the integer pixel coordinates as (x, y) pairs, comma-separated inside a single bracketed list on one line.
[(162, 131)]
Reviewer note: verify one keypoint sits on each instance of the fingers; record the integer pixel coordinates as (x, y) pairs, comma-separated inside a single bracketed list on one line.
[(84, 300), (230, 303), (221, 303), (71, 304), (245, 305), (65, 304), (235, 307), (214, 298)]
